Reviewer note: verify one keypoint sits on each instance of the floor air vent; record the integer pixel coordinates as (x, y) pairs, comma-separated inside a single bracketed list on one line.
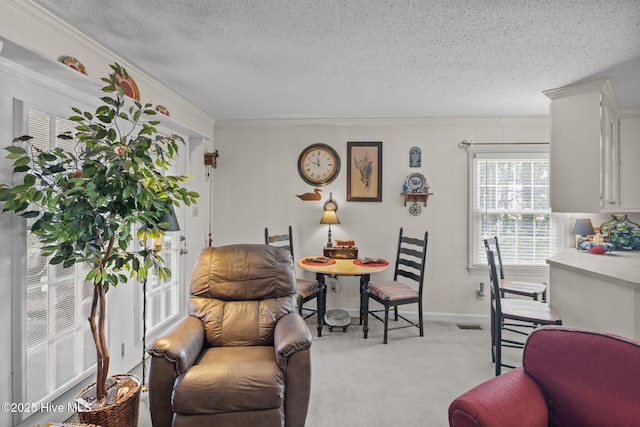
[(471, 327)]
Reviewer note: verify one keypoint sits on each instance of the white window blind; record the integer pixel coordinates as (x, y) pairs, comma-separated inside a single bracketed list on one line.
[(58, 345), (510, 199)]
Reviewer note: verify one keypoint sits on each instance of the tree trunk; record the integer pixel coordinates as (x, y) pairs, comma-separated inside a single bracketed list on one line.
[(102, 352)]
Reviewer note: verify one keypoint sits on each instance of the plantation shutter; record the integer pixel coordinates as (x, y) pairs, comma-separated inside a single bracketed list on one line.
[(58, 345), (510, 199)]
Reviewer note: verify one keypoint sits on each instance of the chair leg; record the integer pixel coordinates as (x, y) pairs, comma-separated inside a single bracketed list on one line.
[(420, 319), (492, 326), (300, 305), (498, 346), (386, 322), (395, 310)]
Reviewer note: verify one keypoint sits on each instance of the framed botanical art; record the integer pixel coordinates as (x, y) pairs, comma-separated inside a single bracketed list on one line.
[(364, 171)]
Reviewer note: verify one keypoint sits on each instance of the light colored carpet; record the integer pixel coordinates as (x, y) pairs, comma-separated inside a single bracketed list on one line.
[(409, 382)]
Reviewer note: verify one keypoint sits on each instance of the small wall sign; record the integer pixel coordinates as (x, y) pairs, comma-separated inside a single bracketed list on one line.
[(415, 157)]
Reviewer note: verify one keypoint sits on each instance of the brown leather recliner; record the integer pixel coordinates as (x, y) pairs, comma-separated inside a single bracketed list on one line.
[(242, 355)]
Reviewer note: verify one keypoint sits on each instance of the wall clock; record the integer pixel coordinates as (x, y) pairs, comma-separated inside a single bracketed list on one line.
[(318, 164)]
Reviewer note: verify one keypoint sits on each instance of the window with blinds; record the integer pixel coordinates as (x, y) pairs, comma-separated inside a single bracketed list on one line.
[(162, 297), (510, 199), (58, 346)]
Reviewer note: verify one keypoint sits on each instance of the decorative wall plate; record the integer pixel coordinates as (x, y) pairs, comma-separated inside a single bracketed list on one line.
[(415, 183), (162, 110), (73, 63), (130, 87)]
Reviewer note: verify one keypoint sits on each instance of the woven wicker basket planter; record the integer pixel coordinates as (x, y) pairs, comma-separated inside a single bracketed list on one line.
[(123, 413)]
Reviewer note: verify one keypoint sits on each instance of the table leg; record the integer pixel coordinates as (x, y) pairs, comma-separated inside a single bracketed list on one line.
[(321, 301), (364, 280), (361, 301)]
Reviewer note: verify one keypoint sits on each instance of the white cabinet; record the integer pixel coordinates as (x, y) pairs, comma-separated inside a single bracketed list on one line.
[(630, 163), (584, 148)]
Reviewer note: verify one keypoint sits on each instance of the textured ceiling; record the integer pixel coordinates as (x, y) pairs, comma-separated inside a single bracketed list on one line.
[(242, 59)]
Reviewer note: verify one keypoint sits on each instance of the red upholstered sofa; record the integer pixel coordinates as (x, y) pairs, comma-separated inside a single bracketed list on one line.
[(569, 377)]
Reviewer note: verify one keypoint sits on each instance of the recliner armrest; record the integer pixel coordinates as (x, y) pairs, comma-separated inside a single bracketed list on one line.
[(181, 344), (291, 335), (514, 398)]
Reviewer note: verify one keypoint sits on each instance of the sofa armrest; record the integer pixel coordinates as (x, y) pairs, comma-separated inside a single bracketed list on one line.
[(514, 398), (292, 343), (172, 354), (291, 335), (181, 344)]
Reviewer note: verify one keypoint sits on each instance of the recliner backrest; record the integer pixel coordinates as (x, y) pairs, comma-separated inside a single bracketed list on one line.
[(239, 292), (590, 378)]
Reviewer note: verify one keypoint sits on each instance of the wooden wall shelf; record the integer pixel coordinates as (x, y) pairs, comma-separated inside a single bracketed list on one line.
[(415, 197)]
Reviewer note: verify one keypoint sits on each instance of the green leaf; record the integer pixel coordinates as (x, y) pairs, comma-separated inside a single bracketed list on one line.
[(30, 214), (93, 274), (23, 161), (5, 193), (103, 109), (14, 149), (56, 260)]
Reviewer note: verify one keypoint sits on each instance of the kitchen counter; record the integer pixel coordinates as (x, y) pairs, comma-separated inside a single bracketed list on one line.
[(621, 268), (600, 292)]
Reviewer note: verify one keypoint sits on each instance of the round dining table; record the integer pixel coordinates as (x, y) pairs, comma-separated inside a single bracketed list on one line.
[(342, 267)]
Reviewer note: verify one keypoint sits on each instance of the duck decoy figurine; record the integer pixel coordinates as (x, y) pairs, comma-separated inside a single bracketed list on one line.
[(310, 196)]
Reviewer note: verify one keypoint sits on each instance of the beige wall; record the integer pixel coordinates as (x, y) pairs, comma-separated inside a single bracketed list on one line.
[(256, 182)]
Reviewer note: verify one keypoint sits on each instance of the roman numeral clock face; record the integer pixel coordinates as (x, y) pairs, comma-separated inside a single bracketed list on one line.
[(318, 164)]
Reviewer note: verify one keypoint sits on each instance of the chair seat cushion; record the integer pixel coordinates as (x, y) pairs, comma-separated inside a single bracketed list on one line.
[(524, 287), (227, 379), (305, 287), (527, 311), (392, 291)]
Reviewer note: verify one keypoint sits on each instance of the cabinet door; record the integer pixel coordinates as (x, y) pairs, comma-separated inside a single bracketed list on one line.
[(629, 164), (575, 152)]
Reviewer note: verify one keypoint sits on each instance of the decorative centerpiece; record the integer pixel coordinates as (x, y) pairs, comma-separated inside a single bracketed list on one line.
[(344, 249), (621, 233)]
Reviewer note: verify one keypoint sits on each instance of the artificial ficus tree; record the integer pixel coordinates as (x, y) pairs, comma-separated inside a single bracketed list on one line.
[(87, 203)]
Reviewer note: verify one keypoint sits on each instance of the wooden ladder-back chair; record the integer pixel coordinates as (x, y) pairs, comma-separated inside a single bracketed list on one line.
[(307, 289), (410, 264), (533, 290), (515, 315)]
